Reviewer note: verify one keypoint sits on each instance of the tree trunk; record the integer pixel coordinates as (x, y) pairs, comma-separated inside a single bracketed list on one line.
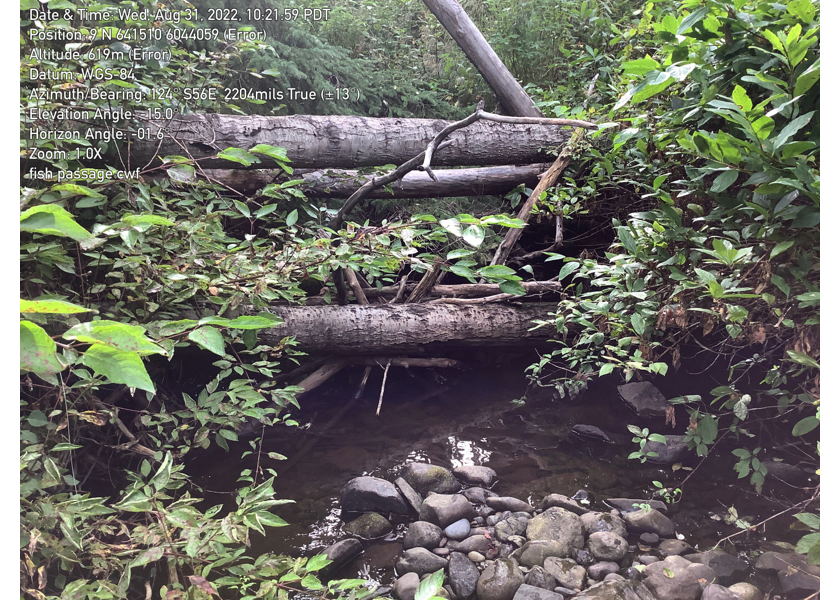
[(478, 51), (336, 183), (345, 141), (470, 290), (395, 328)]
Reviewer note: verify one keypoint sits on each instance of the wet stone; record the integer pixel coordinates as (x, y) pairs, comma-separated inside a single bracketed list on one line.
[(601, 569), (508, 503), (463, 575), (718, 592), (441, 551), (530, 592), (369, 526), (673, 547), (616, 590), (500, 580), (427, 478), (559, 525), (563, 502), (536, 552), (566, 572), (649, 539), (746, 591), (420, 561), (371, 494), (651, 521), (458, 530), (478, 495), (414, 499), (422, 534), (727, 568), (444, 509), (644, 398), (541, 578), (608, 546), (601, 521), (406, 586), (476, 557), (510, 527), (474, 475), (342, 552), (475, 543)]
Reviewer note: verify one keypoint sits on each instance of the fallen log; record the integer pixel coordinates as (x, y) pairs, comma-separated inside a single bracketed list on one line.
[(396, 328), (478, 51), (340, 183), (344, 141)]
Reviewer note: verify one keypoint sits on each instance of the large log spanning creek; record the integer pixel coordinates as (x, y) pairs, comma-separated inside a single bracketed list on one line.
[(533, 501)]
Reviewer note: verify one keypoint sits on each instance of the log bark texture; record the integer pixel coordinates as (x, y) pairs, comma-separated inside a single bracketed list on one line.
[(338, 183), (392, 328), (346, 141), (478, 51), (470, 290)]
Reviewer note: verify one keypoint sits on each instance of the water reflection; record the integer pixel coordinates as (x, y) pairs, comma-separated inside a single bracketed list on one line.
[(466, 453)]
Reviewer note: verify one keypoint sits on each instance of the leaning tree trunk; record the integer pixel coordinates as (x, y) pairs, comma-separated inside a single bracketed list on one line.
[(396, 328), (478, 51), (338, 183), (345, 141)]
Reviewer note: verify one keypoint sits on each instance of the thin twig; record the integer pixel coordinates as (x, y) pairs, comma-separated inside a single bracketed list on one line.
[(382, 391)]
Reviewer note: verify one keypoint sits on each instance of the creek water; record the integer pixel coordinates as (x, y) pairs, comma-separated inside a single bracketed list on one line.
[(453, 419)]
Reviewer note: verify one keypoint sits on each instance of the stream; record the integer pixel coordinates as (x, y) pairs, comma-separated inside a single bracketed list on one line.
[(452, 419)]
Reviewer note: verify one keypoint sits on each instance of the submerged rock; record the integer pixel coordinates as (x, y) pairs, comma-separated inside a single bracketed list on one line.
[(530, 592), (722, 563), (672, 451), (562, 501), (430, 478), (674, 548), (645, 399), (369, 526), (590, 432), (794, 572), (371, 494), (341, 553)]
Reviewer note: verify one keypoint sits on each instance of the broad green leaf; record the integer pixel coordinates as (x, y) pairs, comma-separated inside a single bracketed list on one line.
[(182, 173), (118, 366), (429, 586), (803, 359), (606, 369), (791, 129), (512, 287), (640, 66), (52, 307), (275, 152), (809, 519), (128, 338), (638, 322), (497, 272), (238, 155), (806, 425), (144, 222), (265, 210), (763, 127), (739, 95), (210, 339), (243, 208), (662, 81), (802, 9), (311, 582), (807, 79), (474, 235), (459, 253), (75, 189), (292, 218), (779, 249), (176, 327), (148, 556), (317, 562), (259, 321), (53, 220), (723, 181), (453, 226), (688, 22), (163, 474), (272, 520), (567, 270), (37, 350), (774, 41)]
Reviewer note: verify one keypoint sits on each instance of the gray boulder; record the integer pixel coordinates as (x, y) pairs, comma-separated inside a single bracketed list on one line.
[(530, 592), (590, 432), (411, 495), (474, 543), (718, 592), (371, 494), (616, 590), (511, 526), (651, 521), (728, 569), (499, 580), (606, 545), (675, 578), (563, 502), (594, 522), (463, 575), (458, 530), (445, 509), (341, 553), (420, 561), (559, 525), (422, 534), (567, 572), (535, 553), (478, 495), (786, 473), (406, 586), (600, 570), (507, 503), (645, 399), (672, 451), (746, 591), (674, 548), (430, 478), (369, 526), (541, 578), (794, 572), (472, 475)]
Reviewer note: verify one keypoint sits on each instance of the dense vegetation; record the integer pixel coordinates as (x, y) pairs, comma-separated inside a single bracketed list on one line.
[(705, 168)]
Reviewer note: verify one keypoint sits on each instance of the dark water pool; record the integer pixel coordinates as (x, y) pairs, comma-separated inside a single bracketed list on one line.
[(461, 419)]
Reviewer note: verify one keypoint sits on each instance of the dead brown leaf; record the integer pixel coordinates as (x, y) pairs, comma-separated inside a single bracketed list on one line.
[(202, 584), (670, 417)]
